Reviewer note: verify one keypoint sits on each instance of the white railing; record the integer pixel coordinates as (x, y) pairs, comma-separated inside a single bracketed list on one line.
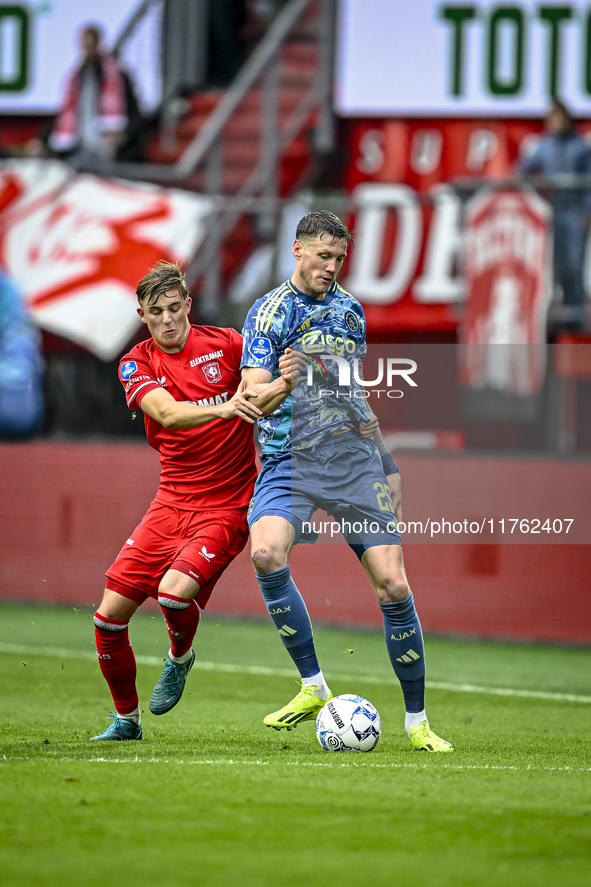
[(202, 166)]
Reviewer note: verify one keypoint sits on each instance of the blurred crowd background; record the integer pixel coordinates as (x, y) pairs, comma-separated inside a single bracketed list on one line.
[(455, 139)]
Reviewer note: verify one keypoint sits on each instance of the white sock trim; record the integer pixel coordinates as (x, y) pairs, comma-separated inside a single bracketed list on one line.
[(413, 719), (180, 660), (131, 716), (322, 691), (165, 601)]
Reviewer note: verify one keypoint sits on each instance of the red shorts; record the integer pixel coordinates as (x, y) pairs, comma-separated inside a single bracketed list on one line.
[(199, 543)]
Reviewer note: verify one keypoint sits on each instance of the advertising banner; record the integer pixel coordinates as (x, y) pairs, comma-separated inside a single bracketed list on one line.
[(39, 46), (508, 282), (76, 246), (462, 59), (409, 219)]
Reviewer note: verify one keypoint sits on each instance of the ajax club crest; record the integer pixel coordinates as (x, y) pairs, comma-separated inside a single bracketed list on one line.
[(352, 321), (212, 372)]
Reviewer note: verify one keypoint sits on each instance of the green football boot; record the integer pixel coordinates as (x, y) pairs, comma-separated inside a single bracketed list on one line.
[(303, 707), (120, 730), (422, 738), (169, 688)]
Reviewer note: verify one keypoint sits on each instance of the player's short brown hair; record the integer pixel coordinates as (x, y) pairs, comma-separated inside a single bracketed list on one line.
[(163, 276), (315, 224)]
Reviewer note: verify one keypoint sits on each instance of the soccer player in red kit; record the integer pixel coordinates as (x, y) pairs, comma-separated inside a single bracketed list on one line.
[(186, 380)]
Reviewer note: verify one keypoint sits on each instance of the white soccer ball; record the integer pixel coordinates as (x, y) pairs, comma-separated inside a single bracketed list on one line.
[(348, 723)]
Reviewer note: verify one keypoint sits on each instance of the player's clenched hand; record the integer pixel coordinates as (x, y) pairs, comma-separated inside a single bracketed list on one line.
[(240, 406), (368, 429), (395, 484), (291, 366)]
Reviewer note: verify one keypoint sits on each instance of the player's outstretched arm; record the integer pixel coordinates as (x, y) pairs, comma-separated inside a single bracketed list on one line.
[(291, 366), (272, 392), (371, 431), (269, 392), (395, 484), (171, 413)]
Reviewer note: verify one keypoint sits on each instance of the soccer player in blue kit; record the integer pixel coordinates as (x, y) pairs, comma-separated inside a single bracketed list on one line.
[(322, 448)]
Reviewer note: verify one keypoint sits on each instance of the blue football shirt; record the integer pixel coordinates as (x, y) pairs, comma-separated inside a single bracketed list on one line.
[(331, 333)]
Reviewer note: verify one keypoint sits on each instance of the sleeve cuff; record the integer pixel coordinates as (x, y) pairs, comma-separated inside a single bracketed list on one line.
[(389, 465)]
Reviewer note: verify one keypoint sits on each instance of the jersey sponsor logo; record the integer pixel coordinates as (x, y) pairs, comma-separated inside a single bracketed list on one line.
[(128, 369), (205, 358), (260, 347), (351, 321), (162, 381), (212, 401), (208, 555), (212, 372), (317, 342), (130, 542)]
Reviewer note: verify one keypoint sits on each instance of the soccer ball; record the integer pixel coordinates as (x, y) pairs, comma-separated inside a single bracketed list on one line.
[(348, 723)]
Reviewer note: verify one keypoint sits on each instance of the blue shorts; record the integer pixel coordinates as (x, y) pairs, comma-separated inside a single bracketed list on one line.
[(342, 476)]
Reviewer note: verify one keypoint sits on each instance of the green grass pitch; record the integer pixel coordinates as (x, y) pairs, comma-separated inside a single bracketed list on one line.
[(212, 797)]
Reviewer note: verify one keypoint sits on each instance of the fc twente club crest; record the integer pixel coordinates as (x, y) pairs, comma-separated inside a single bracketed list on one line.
[(212, 372)]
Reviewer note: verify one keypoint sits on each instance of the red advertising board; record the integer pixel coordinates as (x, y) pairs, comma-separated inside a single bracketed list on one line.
[(410, 220)]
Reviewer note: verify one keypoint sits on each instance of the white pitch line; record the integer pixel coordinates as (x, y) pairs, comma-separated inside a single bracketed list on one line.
[(228, 668), (507, 691), (231, 762)]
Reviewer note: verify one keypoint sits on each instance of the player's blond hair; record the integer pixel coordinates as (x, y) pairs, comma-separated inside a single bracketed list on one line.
[(161, 278)]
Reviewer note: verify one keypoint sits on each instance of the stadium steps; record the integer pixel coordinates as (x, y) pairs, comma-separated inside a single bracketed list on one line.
[(243, 134), (298, 62)]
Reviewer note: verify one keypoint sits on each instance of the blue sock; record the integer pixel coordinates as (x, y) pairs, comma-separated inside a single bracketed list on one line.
[(404, 640), (288, 611)]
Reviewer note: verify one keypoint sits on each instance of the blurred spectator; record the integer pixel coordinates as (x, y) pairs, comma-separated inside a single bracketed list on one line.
[(227, 46), (100, 114), (562, 150), (21, 367), (235, 27)]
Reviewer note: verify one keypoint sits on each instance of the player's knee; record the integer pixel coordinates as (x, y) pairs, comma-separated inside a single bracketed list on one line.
[(115, 606), (179, 585), (392, 590), (267, 559)]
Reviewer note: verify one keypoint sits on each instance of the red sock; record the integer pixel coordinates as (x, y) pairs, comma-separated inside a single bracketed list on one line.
[(117, 662), (182, 618)]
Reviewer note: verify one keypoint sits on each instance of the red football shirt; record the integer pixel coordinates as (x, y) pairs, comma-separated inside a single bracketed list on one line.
[(212, 466)]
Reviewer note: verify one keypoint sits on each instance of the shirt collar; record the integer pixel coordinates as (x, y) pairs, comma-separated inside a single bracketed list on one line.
[(330, 294)]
